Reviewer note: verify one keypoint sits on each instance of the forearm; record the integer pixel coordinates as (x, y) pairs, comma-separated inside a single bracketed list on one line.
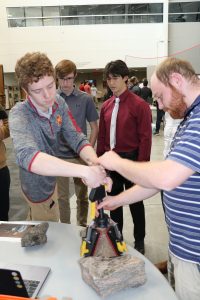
[(147, 174), (48, 165), (132, 195), (93, 136), (88, 155), (135, 194), (163, 175)]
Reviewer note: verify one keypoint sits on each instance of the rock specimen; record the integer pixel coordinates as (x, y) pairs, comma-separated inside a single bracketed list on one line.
[(35, 235), (110, 275)]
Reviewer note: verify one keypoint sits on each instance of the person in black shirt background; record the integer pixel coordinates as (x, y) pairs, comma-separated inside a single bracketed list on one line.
[(146, 92), (4, 171)]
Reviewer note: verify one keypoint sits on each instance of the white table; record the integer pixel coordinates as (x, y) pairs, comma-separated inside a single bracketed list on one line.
[(62, 252)]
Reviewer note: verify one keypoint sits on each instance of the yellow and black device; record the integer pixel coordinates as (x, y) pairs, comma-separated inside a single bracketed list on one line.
[(102, 237)]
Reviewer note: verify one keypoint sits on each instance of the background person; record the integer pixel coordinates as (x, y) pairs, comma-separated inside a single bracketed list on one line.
[(87, 87), (177, 90), (4, 171), (134, 85), (35, 125), (83, 110), (81, 86), (133, 139), (159, 118), (107, 94), (94, 94), (146, 92)]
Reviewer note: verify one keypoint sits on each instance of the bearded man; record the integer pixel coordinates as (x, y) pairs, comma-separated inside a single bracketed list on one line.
[(176, 88)]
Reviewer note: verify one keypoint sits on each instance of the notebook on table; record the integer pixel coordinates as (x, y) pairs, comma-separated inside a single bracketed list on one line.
[(33, 276)]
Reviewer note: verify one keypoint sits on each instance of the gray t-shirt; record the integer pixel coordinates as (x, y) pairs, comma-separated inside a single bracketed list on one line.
[(83, 110)]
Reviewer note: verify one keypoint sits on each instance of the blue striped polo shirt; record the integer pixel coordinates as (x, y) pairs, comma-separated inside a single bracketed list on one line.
[(182, 204)]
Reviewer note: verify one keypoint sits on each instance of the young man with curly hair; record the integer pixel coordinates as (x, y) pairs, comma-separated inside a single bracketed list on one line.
[(35, 125)]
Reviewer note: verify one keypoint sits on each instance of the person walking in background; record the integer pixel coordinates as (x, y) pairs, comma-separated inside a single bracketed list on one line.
[(83, 110), (134, 85), (132, 139), (87, 87), (146, 92), (107, 94), (94, 94), (159, 118), (4, 171), (81, 86), (171, 125), (176, 87), (141, 83), (35, 125)]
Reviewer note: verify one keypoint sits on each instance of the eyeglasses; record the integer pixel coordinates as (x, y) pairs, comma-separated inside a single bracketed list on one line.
[(66, 79)]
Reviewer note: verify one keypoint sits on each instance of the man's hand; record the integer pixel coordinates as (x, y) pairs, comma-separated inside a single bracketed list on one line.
[(109, 160), (108, 181), (96, 175), (109, 203)]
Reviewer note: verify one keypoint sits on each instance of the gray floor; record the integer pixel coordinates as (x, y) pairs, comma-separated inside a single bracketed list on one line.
[(156, 232)]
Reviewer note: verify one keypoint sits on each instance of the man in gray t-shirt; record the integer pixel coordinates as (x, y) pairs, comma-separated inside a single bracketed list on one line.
[(83, 110)]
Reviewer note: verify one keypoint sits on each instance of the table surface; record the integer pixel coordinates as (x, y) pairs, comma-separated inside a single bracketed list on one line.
[(62, 252)]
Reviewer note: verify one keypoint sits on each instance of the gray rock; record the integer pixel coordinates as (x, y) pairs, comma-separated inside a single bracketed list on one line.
[(110, 275), (35, 235)]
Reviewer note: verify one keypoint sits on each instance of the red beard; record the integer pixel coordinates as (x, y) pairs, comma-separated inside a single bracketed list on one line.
[(177, 106)]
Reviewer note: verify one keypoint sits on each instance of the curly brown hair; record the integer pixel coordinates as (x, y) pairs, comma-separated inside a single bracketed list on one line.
[(31, 67)]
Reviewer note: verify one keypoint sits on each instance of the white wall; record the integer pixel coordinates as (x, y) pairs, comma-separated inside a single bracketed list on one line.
[(90, 46), (184, 42)]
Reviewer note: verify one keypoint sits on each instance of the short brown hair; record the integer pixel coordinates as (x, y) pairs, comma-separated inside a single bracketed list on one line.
[(65, 67), (175, 65), (134, 80), (31, 67)]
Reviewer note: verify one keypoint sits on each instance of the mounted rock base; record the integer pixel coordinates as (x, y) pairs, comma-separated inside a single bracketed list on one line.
[(110, 275)]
